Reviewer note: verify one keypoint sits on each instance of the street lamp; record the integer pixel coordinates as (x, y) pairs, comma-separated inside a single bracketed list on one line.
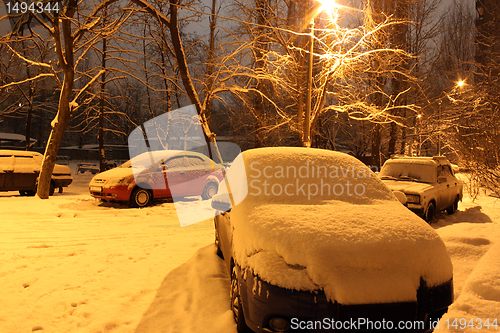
[(330, 7)]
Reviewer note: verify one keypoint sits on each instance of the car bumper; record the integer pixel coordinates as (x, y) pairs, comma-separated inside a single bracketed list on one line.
[(114, 193), (417, 209), (62, 181), (308, 311)]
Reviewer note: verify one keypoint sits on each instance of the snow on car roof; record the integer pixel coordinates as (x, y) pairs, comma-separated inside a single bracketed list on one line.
[(435, 160), (359, 249), (6, 152), (145, 159)]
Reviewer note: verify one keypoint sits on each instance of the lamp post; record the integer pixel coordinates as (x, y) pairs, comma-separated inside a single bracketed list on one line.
[(307, 118), (326, 5)]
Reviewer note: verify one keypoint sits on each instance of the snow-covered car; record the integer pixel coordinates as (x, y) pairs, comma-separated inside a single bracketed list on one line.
[(19, 171), (93, 168), (158, 174), (319, 243), (90, 167), (429, 184)]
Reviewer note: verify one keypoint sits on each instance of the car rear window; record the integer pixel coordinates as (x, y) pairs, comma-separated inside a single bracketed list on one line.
[(26, 164)]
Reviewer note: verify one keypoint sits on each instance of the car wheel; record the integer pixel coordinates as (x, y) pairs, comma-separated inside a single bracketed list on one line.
[(209, 191), (30, 193), (453, 208), (141, 197), (430, 212), (236, 307), (217, 245), (23, 193)]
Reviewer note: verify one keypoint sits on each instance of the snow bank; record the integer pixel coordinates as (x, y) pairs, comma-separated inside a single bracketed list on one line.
[(479, 300), (192, 298), (326, 220)]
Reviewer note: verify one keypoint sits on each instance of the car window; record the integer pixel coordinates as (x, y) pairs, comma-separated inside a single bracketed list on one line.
[(25, 164), (444, 171), (196, 161), (176, 162)]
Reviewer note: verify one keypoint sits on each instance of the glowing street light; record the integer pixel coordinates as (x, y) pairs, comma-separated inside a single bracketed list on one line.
[(460, 83)]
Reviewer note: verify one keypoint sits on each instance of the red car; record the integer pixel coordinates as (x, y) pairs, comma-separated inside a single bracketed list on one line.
[(158, 174)]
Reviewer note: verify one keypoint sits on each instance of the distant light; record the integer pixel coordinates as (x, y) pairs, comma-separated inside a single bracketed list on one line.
[(419, 116), (460, 83), (20, 105)]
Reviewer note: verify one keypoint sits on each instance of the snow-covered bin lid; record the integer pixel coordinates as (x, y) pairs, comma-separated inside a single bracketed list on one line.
[(342, 230)]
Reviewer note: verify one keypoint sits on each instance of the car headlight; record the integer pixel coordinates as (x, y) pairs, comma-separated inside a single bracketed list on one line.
[(413, 198), (117, 181)]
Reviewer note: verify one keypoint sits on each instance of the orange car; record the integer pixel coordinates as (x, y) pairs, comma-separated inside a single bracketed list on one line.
[(158, 174)]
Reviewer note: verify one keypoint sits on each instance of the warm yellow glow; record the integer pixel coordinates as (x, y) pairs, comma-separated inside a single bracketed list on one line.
[(328, 6), (460, 83), (419, 116)]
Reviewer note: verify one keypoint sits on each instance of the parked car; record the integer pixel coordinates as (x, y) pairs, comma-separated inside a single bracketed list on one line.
[(19, 171), (158, 174), (319, 241), (93, 168), (429, 183)]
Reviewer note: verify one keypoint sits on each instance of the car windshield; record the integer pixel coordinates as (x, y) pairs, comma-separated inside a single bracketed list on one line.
[(408, 171)]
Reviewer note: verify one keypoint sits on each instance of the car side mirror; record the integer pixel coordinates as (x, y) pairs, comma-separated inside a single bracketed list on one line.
[(442, 179), (222, 202)]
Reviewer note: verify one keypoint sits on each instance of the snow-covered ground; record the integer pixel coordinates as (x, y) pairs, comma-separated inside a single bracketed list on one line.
[(73, 264)]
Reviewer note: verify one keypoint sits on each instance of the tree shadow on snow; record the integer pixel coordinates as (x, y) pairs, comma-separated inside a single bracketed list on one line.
[(193, 298)]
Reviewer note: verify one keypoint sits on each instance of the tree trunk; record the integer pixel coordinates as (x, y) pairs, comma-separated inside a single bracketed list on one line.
[(376, 138), (102, 153), (188, 83), (391, 149), (65, 55), (59, 125), (210, 62)]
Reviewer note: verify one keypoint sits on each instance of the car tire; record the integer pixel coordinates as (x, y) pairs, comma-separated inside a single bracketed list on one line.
[(430, 212), (236, 307), (453, 208), (209, 191), (217, 245), (141, 197)]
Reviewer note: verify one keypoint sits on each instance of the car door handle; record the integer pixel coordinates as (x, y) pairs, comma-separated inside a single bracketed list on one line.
[(207, 171), (182, 173)]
